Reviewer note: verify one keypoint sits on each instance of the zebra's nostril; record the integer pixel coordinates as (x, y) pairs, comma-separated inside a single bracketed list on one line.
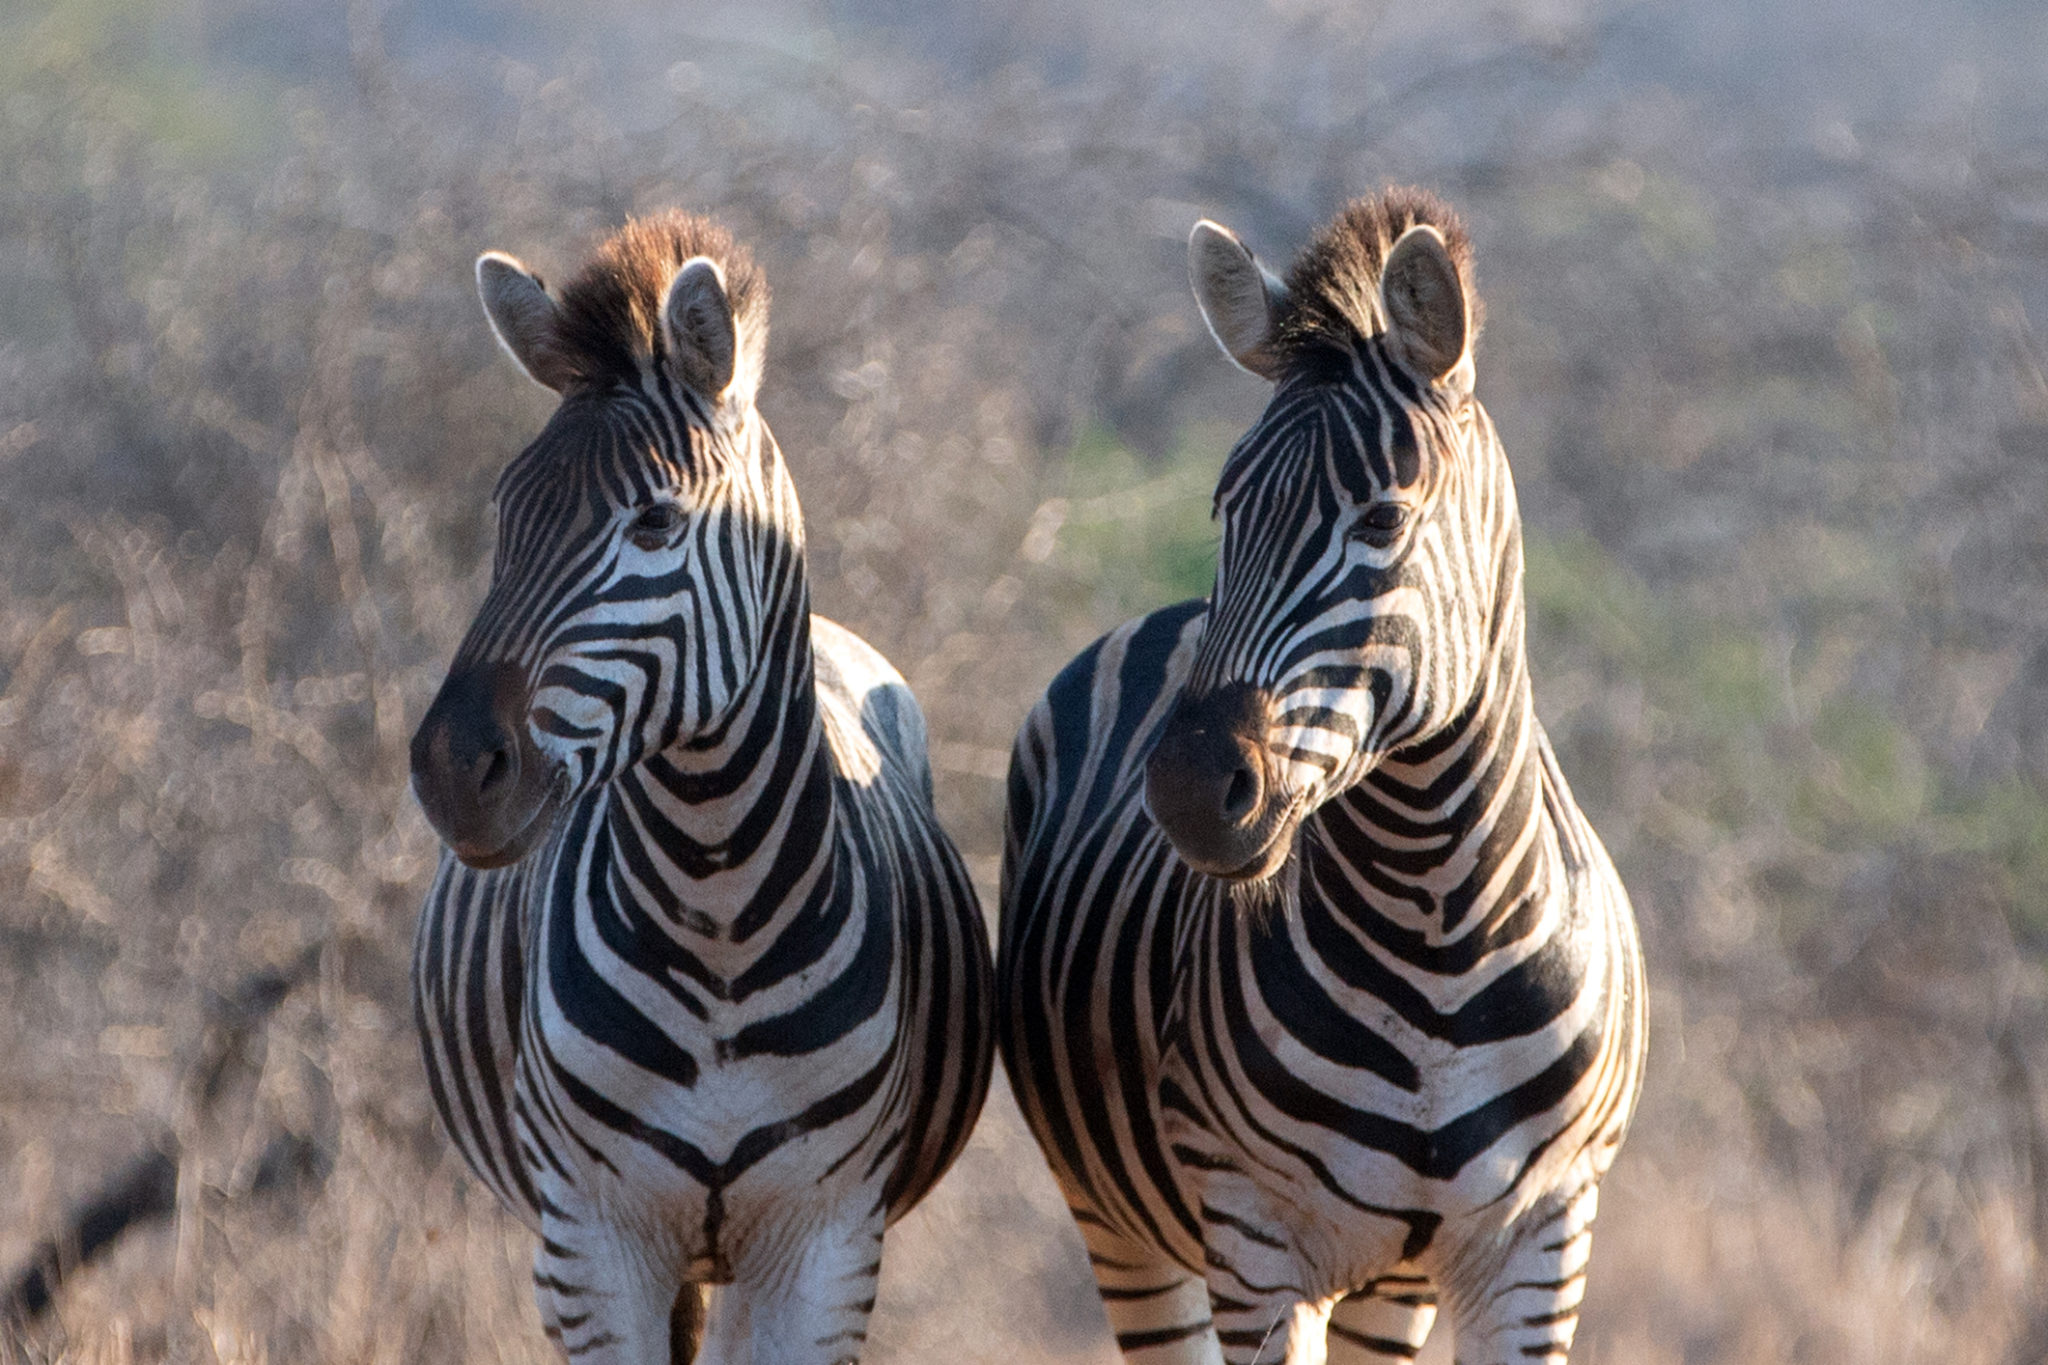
[(1241, 796), (497, 771)]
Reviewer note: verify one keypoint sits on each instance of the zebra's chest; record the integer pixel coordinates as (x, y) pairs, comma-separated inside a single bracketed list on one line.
[(680, 1063), (1317, 1081)]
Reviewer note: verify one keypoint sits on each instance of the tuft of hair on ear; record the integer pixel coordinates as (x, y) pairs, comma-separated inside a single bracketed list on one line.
[(612, 311), (1333, 298), (703, 340)]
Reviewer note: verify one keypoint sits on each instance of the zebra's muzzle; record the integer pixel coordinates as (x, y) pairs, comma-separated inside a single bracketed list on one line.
[(1209, 786), (486, 788)]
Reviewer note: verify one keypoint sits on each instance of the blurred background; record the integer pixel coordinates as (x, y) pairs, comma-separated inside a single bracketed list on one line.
[(1765, 287)]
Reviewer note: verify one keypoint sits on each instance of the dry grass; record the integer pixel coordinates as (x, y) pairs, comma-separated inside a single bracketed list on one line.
[(1776, 400)]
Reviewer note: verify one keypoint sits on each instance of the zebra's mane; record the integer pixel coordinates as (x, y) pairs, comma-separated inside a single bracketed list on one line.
[(611, 311), (1333, 286)]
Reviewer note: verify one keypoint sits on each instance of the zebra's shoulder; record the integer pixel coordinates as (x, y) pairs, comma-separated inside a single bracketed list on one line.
[(1115, 692), (1140, 657), (869, 713)]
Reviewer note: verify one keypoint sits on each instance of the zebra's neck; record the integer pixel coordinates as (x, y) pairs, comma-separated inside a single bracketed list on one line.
[(726, 832), (1449, 837)]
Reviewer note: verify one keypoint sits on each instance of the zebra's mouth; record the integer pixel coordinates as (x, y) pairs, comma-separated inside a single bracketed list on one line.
[(1272, 855), (529, 835), (1252, 853), (1214, 790), (1266, 862), (481, 780)]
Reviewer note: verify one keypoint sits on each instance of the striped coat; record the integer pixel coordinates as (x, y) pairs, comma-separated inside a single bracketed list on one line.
[(1316, 987), (703, 990)]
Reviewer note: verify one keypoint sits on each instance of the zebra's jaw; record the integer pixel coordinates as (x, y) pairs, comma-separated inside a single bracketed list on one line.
[(1263, 865)]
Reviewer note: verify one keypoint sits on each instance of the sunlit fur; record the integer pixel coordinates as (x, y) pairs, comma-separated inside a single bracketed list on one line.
[(1297, 1116), (732, 1017)]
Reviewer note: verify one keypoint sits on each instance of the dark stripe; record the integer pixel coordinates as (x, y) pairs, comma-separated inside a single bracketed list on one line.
[(1386, 1346), (1159, 1336)]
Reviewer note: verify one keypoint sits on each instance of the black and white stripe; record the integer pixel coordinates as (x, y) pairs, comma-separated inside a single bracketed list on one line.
[(1316, 987), (705, 999)]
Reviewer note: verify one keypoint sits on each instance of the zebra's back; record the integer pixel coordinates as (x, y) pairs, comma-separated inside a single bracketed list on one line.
[(1092, 901)]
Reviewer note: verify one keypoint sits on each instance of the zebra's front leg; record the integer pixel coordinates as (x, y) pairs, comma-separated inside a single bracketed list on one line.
[(605, 1297), (1158, 1311), (801, 1294), (1531, 1309), (1266, 1311), (1279, 1326), (1384, 1323)]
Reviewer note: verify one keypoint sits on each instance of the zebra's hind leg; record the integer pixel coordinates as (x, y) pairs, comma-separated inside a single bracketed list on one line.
[(1159, 1312), (1531, 1310), (1384, 1323)]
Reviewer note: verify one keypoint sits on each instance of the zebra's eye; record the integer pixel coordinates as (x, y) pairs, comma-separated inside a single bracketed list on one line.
[(1380, 524), (651, 529)]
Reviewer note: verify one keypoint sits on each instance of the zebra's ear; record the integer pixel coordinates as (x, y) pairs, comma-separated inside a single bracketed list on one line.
[(1429, 316), (1237, 297), (523, 316), (705, 343)]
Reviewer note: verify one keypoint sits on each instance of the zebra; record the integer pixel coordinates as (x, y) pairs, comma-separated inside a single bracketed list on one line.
[(704, 993), (1320, 994)]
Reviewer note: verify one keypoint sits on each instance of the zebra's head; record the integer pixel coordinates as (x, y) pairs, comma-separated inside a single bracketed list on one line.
[(648, 539), (1370, 552)]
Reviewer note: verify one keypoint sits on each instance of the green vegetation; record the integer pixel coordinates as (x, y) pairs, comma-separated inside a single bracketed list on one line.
[(1762, 737), (1775, 740), (122, 63), (2006, 825), (1133, 533)]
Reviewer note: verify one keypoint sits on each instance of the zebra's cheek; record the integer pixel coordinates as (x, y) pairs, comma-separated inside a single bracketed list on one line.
[(566, 717), (572, 731), (1305, 757)]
